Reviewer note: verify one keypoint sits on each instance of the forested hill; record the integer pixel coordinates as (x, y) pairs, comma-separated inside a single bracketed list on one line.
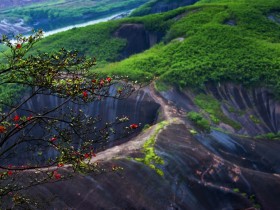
[(210, 41)]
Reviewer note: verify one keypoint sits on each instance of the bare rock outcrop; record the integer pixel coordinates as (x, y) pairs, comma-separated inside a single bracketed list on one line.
[(255, 109), (138, 38)]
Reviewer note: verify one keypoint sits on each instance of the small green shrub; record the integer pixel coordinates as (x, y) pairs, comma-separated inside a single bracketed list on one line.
[(255, 119), (213, 107), (161, 86), (236, 190), (270, 136), (199, 120), (146, 126)]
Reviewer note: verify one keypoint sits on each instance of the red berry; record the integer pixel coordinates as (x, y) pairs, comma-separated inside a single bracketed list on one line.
[(18, 46), (85, 94), (53, 139), (2, 129), (108, 79), (133, 126), (60, 165), (16, 118)]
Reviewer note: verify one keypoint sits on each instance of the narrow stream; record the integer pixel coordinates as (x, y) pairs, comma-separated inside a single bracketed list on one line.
[(92, 22)]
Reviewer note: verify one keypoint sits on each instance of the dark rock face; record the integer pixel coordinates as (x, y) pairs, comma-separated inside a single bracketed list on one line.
[(274, 17), (207, 179), (231, 22), (139, 108), (138, 38), (206, 171), (162, 6), (243, 152), (198, 174), (255, 109), (258, 104)]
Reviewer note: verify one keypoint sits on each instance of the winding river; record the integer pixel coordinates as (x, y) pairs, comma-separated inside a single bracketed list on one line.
[(92, 22)]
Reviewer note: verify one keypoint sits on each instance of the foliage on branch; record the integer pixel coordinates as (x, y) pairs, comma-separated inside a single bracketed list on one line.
[(53, 143)]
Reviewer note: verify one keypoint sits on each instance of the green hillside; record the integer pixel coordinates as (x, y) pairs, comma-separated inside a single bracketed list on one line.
[(98, 40), (158, 6), (234, 41), (217, 41), (94, 41)]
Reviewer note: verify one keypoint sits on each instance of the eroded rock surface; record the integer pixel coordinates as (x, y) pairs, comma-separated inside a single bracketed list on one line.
[(195, 177), (140, 108), (256, 110), (205, 171), (138, 38)]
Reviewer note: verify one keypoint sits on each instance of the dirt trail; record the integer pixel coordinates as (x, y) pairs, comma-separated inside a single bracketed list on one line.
[(168, 113)]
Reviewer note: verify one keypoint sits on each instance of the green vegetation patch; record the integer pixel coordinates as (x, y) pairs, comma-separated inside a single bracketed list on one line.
[(213, 107), (156, 6), (151, 159), (10, 93), (270, 136), (255, 119), (144, 9), (246, 53), (93, 41), (161, 86), (199, 121)]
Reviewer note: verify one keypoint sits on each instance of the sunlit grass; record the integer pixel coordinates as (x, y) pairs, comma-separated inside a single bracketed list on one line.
[(150, 158)]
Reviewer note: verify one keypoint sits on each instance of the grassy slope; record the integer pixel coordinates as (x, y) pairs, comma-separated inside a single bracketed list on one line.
[(93, 40), (248, 53), (97, 40), (143, 10), (150, 7)]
